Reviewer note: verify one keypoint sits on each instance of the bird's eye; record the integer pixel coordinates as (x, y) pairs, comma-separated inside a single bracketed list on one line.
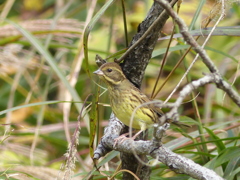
[(109, 70)]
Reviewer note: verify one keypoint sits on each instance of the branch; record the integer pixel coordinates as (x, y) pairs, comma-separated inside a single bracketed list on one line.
[(112, 131), (155, 149), (188, 89), (222, 84)]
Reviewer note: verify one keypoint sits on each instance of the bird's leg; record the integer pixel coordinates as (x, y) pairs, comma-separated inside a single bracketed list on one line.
[(135, 135), (123, 137)]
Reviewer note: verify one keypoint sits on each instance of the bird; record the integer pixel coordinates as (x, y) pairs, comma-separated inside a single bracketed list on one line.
[(125, 97)]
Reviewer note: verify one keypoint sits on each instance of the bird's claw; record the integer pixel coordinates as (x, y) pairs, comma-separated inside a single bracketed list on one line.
[(120, 139)]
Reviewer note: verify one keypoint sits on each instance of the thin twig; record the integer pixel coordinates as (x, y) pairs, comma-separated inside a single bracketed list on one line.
[(201, 52), (147, 33)]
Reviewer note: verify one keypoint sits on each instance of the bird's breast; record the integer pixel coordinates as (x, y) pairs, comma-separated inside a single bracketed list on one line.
[(123, 104)]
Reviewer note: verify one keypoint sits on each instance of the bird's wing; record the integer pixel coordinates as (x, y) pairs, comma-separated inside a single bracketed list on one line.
[(157, 112), (152, 106)]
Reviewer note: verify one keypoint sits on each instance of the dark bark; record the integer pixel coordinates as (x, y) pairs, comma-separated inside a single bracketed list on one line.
[(135, 63)]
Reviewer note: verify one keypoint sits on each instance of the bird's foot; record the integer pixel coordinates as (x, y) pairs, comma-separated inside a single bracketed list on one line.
[(123, 137), (120, 139)]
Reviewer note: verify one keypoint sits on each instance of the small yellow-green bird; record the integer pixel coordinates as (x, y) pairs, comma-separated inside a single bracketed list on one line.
[(125, 97)]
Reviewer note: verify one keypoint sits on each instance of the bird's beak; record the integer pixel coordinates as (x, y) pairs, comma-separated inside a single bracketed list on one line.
[(98, 72)]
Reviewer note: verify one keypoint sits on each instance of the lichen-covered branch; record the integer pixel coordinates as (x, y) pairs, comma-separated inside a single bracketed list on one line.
[(189, 88), (158, 151), (112, 131)]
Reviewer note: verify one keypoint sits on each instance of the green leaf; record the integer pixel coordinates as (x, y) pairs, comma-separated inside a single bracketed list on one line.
[(234, 173), (11, 39), (188, 120), (93, 121), (219, 144), (106, 159), (161, 51), (195, 153), (219, 31), (221, 52), (227, 155), (232, 169), (211, 141), (14, 172), (197, 14), (89, 28), (29, 105)]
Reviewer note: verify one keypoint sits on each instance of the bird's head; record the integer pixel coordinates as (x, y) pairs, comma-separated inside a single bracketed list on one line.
[(111, 73)]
